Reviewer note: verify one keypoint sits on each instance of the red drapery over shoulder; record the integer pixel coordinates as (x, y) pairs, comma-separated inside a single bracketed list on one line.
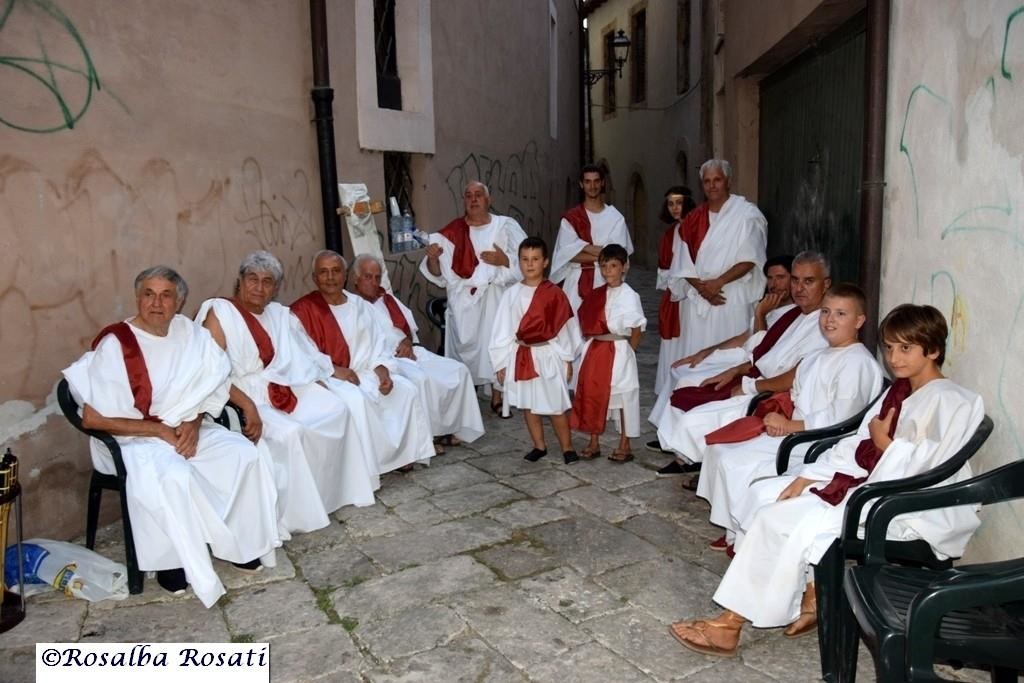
[(464, 259), (594, 384), (135, 364), (579, 220), (281, 397), (548, 311), (395, 311), (314, 313)]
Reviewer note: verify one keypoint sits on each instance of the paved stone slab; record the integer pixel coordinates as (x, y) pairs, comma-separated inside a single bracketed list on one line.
[(732, 671), (544, 483), (398, 488), (443, 540), (331, 535), (184, 620), (342, 565), (447, 477), (370, 522), (661, 496), (600, 503), (668, 536), (518, 628), (273, 610), (421, 512), (503, 465), (307, 654), (377, 598), (505, 444), (47, 622), (646, 644), (566, 591), (466, 660), (234, 579), (612, 476), (410, 632), (585, 664), (592, 546), (783, 658), (18, 664), (526, 513), (516, 560), (669, 588), (475, 498)]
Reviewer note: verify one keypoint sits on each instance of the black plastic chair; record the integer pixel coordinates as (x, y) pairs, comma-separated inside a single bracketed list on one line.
[(912, 617), (101, 482), (837, 630), (435, 310)]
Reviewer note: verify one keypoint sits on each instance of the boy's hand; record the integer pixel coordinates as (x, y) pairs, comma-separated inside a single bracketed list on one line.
[(878, 428), (501, 377), (795, 488)]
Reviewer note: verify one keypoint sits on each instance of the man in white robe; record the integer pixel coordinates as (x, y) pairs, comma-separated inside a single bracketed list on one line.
[(444, 385), (584, 230), (346, 328), (790, 521), (191, 483), (320, 442), (831, 385), (720, 286), (682, 430), (474, 259)]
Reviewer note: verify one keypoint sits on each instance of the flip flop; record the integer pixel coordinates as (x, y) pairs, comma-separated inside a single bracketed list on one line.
[(587, 454), (700, 628)]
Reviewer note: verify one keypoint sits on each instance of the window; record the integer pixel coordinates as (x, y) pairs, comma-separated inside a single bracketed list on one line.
[(609, 80), (638, 58), (389, 85), (682, 46)]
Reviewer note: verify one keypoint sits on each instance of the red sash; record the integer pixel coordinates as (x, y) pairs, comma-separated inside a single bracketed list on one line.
[(464, 260), (594, 384), (868, 454), (281, 397), (579, 220), (314, 313), (397, 317), (668, 310), (135, 364), (688, 398), (548, 311), (746, 428), (695, 228)]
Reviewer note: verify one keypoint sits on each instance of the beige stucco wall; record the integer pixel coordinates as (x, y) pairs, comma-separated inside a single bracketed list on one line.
[(953, 201), (192, 144), (644, 139)]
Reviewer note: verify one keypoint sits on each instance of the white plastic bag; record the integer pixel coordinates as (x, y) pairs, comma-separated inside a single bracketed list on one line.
[(73, 569)]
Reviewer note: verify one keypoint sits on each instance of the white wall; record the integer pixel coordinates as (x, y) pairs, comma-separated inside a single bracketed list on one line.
[(954, 205)]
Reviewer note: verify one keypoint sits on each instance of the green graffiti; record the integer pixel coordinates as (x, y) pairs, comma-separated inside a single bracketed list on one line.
[(905, 150), (42, 70), (1006, 42)]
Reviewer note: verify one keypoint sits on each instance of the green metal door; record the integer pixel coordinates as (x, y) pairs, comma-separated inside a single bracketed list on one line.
[(812, 120)]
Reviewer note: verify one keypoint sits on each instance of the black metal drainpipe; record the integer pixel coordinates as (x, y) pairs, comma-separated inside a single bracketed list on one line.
[(872, 194), (323, 96)]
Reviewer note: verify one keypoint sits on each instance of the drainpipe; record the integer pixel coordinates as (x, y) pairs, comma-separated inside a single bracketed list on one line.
[(323, 96), (872, 193), (584, 103)]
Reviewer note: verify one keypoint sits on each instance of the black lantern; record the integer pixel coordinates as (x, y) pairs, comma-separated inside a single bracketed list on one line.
[(620, 53)]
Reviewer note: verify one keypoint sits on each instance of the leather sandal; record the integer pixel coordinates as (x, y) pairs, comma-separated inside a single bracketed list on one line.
[(694, 636), (620, 456), (588, 454), (807, 622)]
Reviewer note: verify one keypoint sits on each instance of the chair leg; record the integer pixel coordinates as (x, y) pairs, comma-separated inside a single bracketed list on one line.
[(1001, 674), (92, 513), (135, 577), (828, 584), (847, 639)]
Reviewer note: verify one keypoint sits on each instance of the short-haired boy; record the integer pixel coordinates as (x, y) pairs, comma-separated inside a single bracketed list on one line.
[(611, 319), (830, 386), (922, 420), (533, 343)]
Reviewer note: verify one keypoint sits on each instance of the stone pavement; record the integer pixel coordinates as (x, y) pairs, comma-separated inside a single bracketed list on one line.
[(480, 567)]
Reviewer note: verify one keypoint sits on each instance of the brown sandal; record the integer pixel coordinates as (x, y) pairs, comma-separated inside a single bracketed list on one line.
[(699, 629), (587, 454), (620, 456), (807, 622)]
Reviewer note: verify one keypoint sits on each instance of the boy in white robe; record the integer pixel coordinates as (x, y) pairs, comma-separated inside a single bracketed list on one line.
[(922, 420), (607, 383), (584, 230), (191, 483), (345, 328), (320, 442), (535, 340), (831, 385), (444, 385)]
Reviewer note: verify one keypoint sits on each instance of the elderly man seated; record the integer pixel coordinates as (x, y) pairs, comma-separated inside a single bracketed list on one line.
[(445, 385), (149, 381), (319, 441), (345, 328)]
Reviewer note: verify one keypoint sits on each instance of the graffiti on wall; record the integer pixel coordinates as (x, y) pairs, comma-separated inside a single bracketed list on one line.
[(71, 247), (960, 147)]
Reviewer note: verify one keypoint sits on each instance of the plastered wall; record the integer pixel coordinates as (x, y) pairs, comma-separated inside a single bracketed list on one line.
[(135, 132), (954, 203)]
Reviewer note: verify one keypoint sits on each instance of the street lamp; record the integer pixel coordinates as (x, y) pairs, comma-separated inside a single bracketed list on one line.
[(620, 51)]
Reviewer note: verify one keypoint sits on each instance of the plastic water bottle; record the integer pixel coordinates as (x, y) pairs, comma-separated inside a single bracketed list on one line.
[(408, 232), (395, 223)]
